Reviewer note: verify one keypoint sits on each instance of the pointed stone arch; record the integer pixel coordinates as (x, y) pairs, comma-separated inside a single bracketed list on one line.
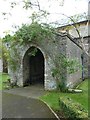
[(34, 67)]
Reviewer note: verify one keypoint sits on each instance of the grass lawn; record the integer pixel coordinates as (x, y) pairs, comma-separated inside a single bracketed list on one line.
[(52, 98), (3, 78)]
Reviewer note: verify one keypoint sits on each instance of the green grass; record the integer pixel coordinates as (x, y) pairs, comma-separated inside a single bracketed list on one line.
[(3, 78), (52, 98)]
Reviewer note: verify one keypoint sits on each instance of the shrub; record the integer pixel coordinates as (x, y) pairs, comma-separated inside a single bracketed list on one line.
[(72, 110)]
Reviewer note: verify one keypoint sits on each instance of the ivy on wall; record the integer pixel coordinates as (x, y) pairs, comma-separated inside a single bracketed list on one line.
[(25, 35), (64, 66), (30, 33)]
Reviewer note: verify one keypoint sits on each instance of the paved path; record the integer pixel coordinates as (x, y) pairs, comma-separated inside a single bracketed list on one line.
[(23, 106), (30, 92)]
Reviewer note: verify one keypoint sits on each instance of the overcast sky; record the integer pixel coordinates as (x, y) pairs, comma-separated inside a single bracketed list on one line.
[(18, 15)]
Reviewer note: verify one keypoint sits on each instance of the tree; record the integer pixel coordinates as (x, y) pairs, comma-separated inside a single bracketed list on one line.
[(39, 14)]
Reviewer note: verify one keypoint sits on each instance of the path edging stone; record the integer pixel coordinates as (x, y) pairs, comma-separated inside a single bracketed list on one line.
[(50, 109)]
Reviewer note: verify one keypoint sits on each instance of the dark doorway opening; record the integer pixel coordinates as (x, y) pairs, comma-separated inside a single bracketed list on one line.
[(33, 67), (36, 71)]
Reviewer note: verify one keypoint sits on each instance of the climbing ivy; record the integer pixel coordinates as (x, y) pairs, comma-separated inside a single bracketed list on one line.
[(7, 59), (63, 66), (28, 33), (33, 51), (34, 32)]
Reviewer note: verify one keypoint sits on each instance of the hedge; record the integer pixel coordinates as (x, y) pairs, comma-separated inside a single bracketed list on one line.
[(72, 110)]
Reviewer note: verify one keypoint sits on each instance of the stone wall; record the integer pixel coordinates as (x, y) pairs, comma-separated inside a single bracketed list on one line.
[(81, 26), (83, 30), (50, 49), (74, 52)]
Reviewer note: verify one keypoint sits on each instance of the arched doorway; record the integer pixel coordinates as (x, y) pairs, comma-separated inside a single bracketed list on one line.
[(33, 67)]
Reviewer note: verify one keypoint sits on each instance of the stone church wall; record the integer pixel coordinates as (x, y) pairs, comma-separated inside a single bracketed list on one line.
[(50, 49), (74, 52)]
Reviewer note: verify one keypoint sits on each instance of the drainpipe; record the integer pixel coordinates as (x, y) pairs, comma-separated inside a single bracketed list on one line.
[(82, 57)]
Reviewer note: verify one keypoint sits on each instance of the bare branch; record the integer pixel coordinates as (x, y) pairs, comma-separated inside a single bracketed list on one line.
[(74, 25), (13, 4), (38, 5)]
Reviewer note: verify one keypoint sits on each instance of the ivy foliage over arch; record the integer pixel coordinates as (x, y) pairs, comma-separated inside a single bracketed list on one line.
[(29, 33), (34, 32)]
